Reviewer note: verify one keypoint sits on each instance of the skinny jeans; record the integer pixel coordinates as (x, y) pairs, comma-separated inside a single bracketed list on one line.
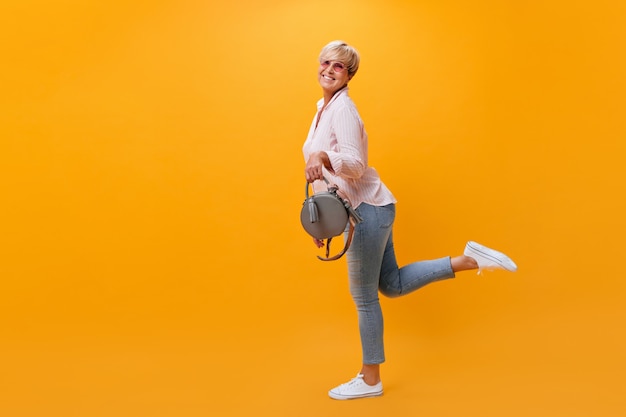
[(372, 268)]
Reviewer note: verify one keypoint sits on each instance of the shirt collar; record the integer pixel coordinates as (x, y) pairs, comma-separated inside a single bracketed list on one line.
[(339, 92)]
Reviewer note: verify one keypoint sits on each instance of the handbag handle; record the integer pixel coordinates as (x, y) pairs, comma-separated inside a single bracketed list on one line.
[(306, 187)]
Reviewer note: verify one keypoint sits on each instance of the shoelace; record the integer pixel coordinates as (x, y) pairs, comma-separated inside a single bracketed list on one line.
[(354, 380)]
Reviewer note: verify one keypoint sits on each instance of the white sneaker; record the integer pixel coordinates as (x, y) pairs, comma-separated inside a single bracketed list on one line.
[(356, 388), (487, 258)]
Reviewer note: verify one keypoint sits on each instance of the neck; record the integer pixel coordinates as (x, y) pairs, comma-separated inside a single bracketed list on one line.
[(329, 94)]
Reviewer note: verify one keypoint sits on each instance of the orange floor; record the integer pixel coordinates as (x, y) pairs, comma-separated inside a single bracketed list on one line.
[(469, 355)]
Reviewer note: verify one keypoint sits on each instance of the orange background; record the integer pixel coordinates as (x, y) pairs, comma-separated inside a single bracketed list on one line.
[(152, 261)]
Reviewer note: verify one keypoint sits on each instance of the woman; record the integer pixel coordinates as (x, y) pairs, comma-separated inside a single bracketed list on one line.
[(336, 148)]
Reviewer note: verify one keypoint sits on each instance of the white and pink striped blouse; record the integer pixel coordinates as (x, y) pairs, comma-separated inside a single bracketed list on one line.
[(341, 134)]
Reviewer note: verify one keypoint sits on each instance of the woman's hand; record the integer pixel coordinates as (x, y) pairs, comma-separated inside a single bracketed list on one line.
[(318, 242), (313, 170)]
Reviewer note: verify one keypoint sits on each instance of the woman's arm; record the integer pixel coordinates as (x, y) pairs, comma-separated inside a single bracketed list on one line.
[(349, 159)]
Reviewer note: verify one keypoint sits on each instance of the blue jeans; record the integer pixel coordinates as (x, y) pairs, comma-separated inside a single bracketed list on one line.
[(372, 267)]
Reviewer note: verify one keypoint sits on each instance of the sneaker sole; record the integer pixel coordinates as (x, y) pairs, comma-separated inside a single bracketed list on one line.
[(354, 397)]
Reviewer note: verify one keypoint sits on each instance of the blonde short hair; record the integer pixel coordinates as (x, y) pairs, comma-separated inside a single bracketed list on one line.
[(341, 51)]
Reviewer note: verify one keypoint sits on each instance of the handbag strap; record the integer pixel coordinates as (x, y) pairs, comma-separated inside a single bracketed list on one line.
[(353, 224)]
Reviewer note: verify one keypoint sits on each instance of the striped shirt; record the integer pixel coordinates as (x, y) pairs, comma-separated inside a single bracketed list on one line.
[(340, 133)]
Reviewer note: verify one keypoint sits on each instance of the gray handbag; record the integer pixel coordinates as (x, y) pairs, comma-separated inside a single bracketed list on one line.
[(325, 215)]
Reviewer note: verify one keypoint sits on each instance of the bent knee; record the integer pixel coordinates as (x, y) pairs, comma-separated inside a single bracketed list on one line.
[(390, 292)]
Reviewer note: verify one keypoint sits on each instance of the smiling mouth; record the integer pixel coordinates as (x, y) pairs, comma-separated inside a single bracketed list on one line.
[(327, 77)]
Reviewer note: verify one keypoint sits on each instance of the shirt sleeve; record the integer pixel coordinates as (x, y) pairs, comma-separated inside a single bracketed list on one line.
[(348, 156)]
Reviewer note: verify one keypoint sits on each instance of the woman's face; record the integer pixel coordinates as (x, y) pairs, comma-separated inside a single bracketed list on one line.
[(333, 75)]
